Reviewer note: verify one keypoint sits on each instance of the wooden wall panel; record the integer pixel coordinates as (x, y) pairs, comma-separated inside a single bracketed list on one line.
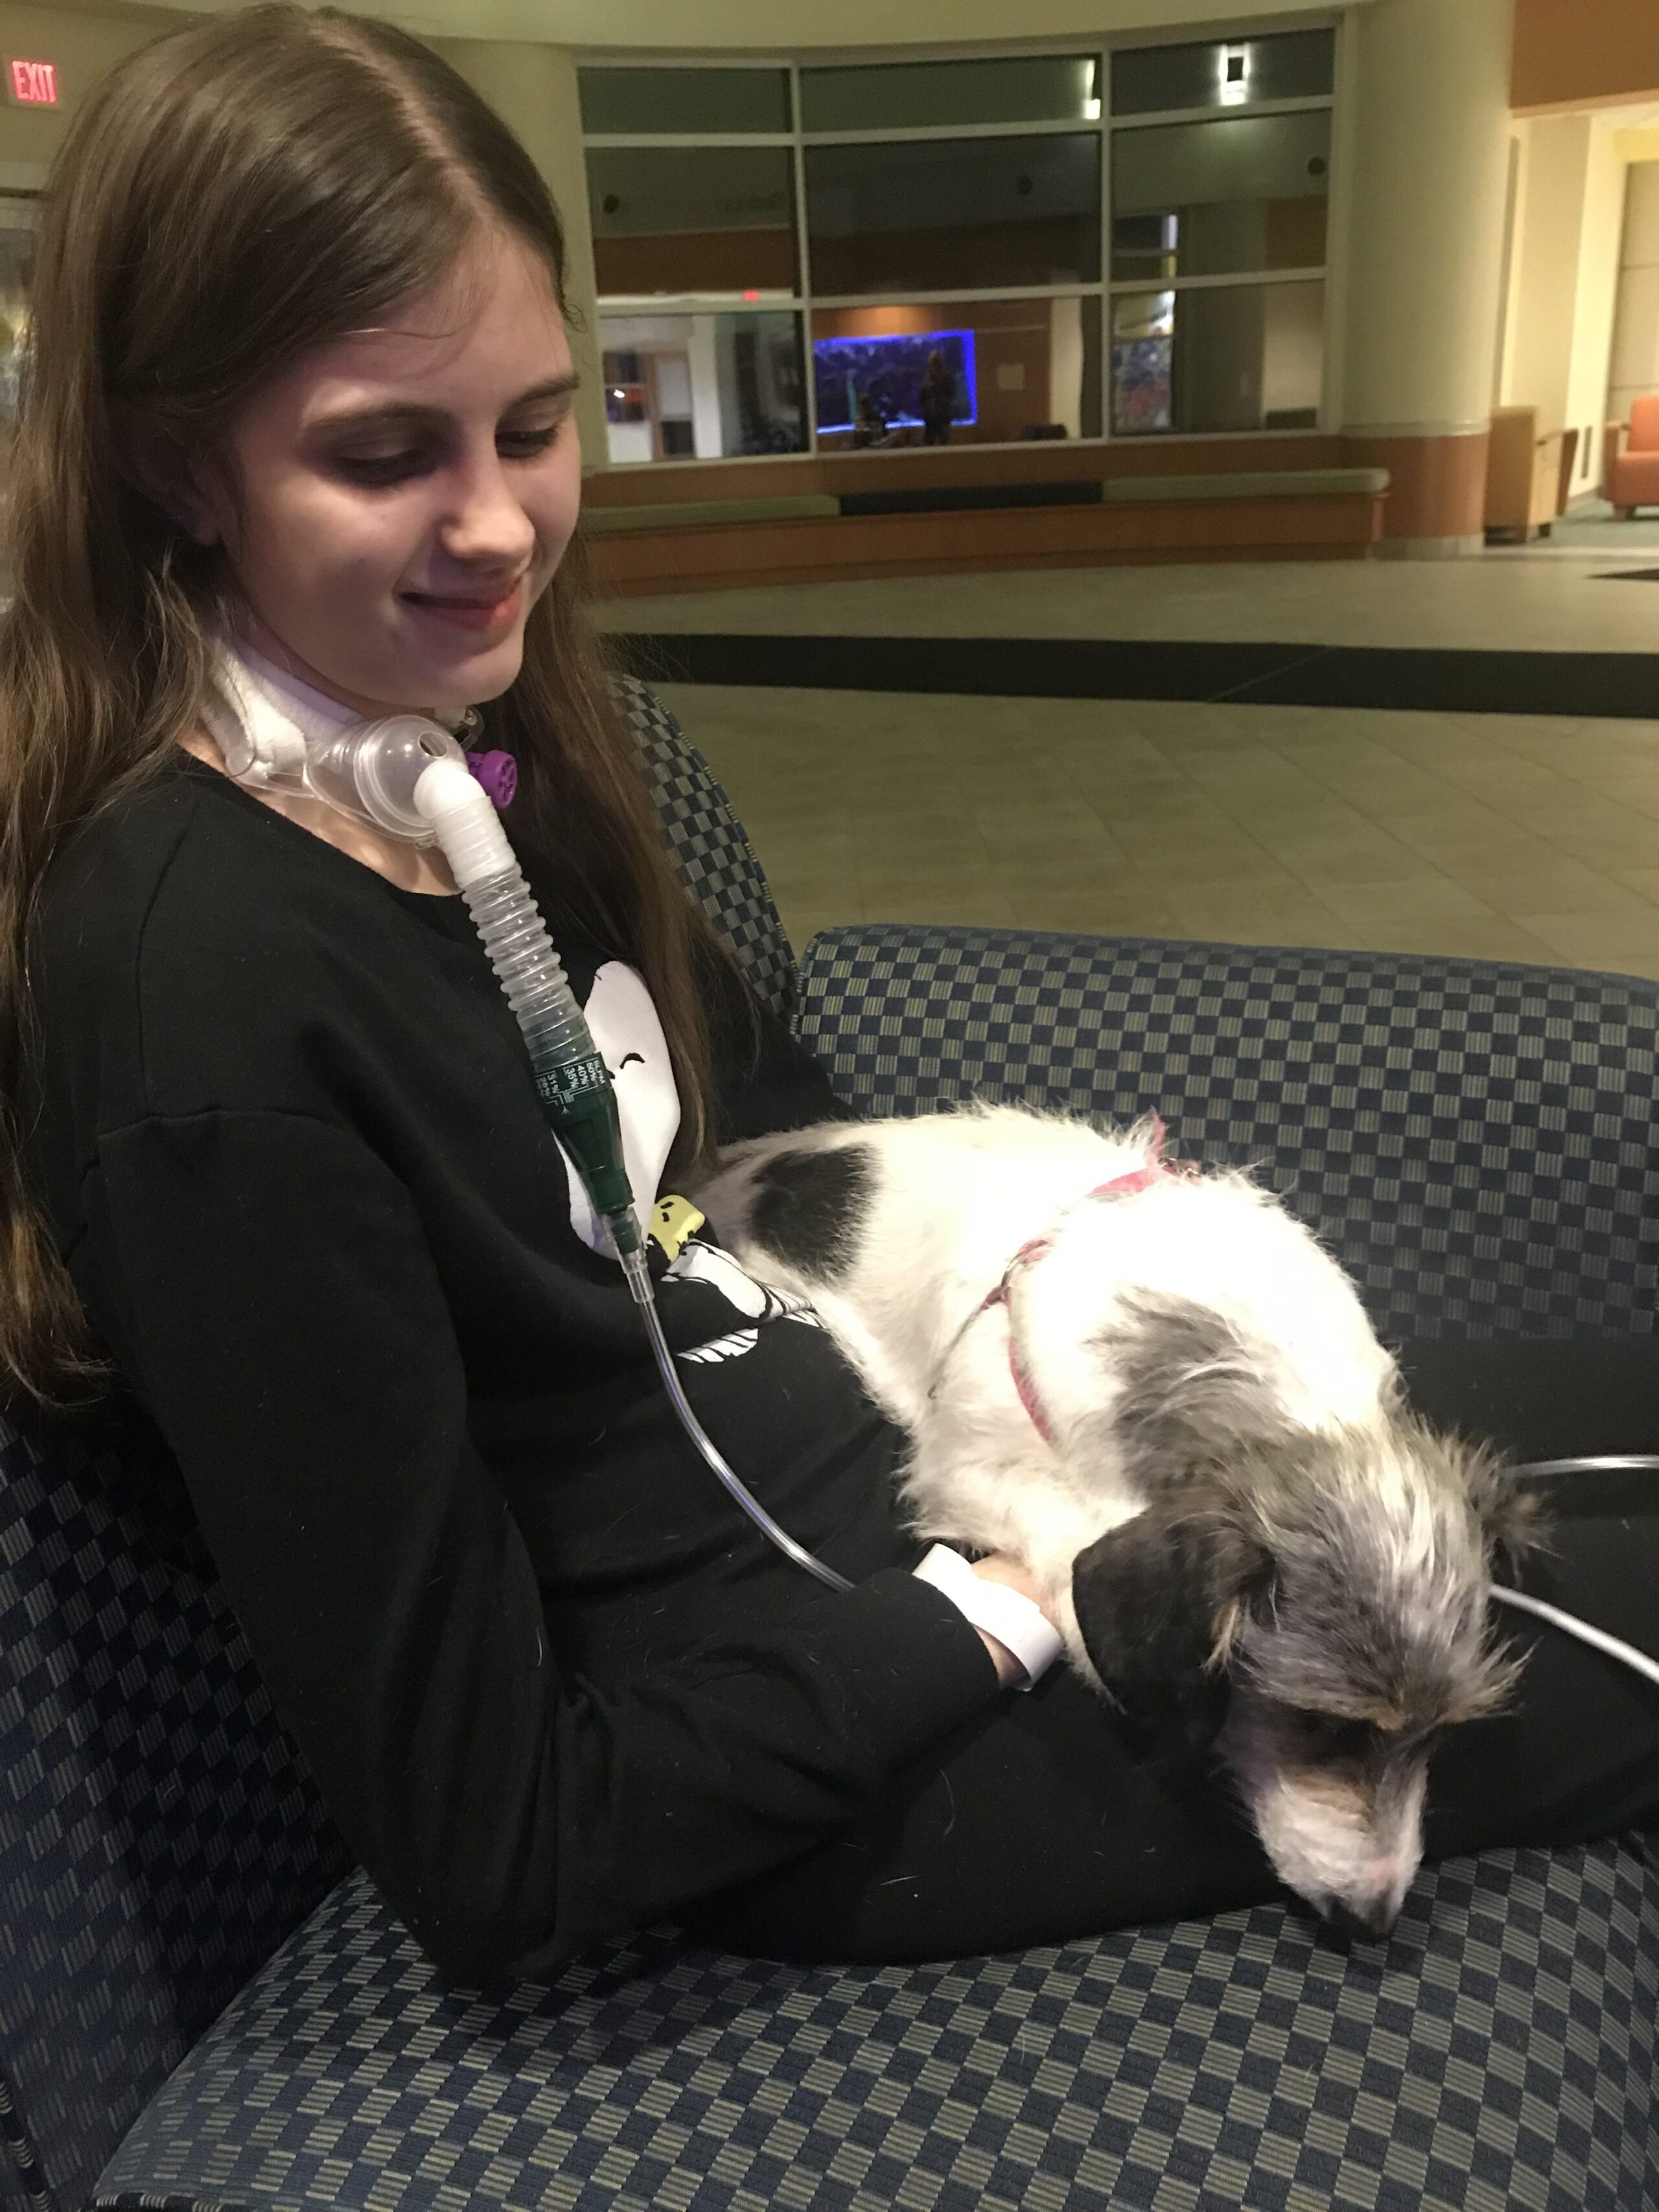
[(1043, 461), (1583, 53), (1437, 486), (734, 555)]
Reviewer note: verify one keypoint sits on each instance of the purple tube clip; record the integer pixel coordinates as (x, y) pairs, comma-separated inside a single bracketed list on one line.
[(498, 773)]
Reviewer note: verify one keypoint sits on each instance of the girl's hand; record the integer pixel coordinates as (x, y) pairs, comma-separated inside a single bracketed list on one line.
[(1004, 1567)]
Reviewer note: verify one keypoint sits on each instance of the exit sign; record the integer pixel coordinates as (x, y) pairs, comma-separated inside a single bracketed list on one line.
[(33, 84)]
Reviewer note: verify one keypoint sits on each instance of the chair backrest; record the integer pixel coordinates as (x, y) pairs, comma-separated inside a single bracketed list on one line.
[(1643, 424), (710, 847), (159, 1836), (1474, 1141)]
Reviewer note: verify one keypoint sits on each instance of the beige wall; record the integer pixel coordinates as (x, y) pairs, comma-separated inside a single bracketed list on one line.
[(1569, 222), (1635, 366), (1595, 301), (1554, 159), (1426, 236), (533, 89), (783, 26)]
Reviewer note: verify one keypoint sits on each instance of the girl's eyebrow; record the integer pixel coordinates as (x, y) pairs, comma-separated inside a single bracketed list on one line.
[(375, 413)]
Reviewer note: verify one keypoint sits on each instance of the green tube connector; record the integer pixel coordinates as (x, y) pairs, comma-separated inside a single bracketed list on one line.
[(580, 1105)]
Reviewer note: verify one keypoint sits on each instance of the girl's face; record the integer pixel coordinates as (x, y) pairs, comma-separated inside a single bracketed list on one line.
[(397, 500)]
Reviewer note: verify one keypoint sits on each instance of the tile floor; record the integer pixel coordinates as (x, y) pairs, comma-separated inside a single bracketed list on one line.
[(1501, 837), (1496, 836)]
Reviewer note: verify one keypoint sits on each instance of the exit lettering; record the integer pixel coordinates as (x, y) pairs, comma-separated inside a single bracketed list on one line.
[(33, 84)]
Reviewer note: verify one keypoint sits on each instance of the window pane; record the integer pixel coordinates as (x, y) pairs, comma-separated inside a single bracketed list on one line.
[(698, 387), (1225, 357), (932, 215), (957, 373), (17, 227), (692, 218), (1203, 199), (707, 100), (897, 96), (1288, 65)]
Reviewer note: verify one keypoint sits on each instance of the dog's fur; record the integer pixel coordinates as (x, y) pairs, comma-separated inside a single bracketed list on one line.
[(1246, 1537)]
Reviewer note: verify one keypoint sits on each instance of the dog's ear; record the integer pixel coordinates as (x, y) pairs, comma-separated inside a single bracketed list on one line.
[(1157, 1602), (1189, 1390), (1513, 1517)]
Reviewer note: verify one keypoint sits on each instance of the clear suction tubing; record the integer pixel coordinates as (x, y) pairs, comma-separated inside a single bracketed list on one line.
[(407, 776)]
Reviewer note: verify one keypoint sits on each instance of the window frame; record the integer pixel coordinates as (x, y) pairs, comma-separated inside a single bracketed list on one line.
[(804, 302)]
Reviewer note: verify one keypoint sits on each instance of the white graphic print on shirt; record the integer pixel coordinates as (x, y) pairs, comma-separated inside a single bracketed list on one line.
[(630, 1039), (701, 1262), (633, 1047)]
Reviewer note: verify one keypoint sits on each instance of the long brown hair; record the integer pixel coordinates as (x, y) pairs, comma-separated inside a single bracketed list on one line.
[(229, 197)]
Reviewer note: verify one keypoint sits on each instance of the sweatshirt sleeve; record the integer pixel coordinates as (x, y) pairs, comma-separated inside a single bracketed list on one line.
[(265, 1283)]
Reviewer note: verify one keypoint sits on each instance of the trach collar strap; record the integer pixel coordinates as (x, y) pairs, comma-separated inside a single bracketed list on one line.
[(265, 720)]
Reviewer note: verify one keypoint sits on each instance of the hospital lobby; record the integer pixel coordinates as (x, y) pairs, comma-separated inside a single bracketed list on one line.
[(1262, 583), (1124, 538)]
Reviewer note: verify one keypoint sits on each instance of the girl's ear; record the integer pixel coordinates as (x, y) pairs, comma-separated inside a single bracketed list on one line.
[(156, 463)]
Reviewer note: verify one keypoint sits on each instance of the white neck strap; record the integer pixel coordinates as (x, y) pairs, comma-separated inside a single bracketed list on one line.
[(264, 719)]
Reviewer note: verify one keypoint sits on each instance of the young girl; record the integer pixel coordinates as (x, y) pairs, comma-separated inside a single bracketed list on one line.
[(298, 425)]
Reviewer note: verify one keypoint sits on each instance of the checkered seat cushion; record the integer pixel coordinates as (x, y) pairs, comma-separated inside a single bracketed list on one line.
[(195, 2007), (1499, 2052)]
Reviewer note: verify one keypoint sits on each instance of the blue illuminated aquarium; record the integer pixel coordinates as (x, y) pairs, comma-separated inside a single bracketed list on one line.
[(885, 375)]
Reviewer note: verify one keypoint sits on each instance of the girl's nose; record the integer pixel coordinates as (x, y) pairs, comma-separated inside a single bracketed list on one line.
[(487, 524)]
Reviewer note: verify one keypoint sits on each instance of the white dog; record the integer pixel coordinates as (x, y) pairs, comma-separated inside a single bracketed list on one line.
[(1156, 1387)]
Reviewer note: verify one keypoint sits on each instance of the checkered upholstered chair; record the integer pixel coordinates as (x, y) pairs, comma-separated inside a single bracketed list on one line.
[(202, 2006)]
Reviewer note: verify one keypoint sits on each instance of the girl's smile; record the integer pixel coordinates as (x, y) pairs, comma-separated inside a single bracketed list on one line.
[(476, 614)]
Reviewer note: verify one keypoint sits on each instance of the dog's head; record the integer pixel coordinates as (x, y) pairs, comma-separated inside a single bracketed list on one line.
[(1315, 1604)]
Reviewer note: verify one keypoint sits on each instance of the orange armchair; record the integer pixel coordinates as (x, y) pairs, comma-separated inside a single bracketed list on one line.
[(1630, 476)]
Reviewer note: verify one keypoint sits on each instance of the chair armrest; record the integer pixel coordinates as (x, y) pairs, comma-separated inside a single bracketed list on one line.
[(1613, 438), (1473, 1140)]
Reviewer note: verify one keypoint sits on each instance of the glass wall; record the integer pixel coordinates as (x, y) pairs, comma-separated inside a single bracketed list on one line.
[(698, 387), (18, 218), (932, 214), (693, 219), (1217, 357), (1220, 177), (1126, 244), (1006, 369)]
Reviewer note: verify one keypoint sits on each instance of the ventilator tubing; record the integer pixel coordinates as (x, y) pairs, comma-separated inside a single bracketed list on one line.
[(571, 1077)]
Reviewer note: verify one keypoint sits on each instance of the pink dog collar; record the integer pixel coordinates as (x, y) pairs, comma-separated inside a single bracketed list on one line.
[(1130, 1185)]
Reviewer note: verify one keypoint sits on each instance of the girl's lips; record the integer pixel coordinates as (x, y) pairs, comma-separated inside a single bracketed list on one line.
[(474, 613)]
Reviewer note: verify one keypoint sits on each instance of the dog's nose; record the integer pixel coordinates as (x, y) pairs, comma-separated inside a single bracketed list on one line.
[(1363, 1923)]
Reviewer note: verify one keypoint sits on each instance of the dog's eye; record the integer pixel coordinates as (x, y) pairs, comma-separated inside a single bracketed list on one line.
[(1327, 1736)]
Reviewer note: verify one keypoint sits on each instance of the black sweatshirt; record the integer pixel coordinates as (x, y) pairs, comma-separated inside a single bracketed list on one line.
[(550, 1680)]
